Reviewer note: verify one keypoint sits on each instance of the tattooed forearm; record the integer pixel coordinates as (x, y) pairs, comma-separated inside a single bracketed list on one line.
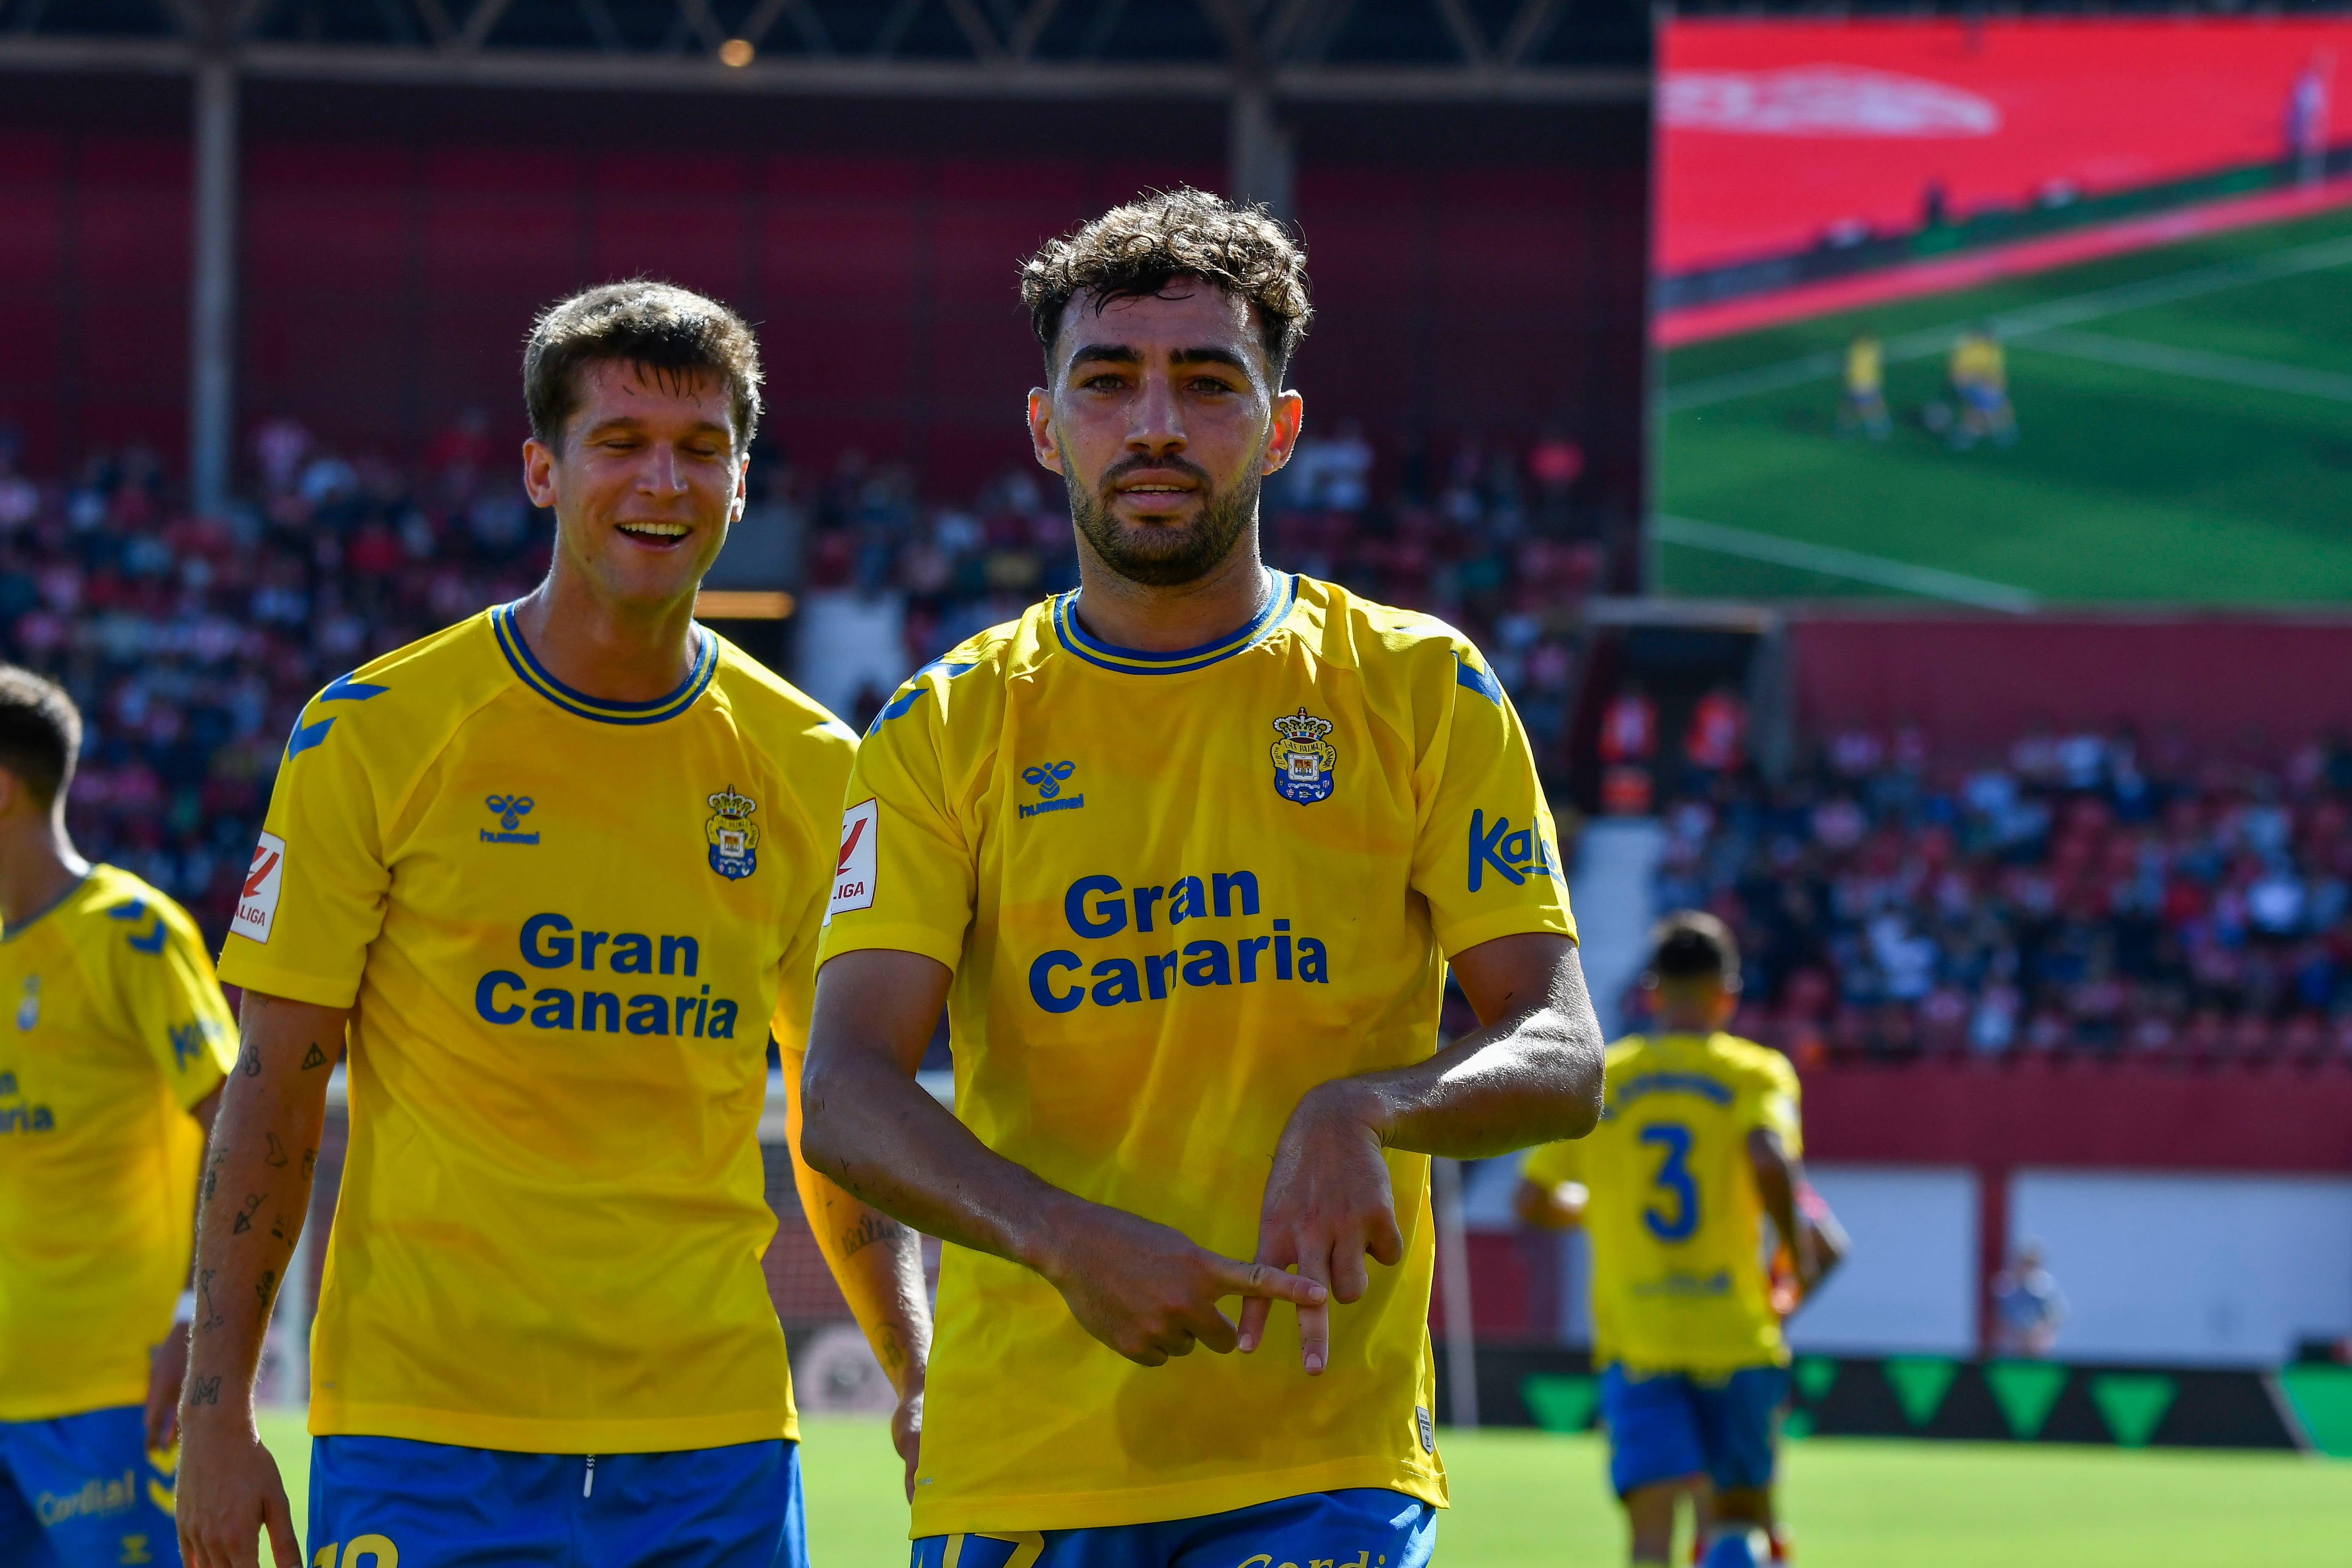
[(315, 1058), (870, 1228), (277, 1154), (266, 1287), (204, 1390), (249, 1060), (244, 1221)]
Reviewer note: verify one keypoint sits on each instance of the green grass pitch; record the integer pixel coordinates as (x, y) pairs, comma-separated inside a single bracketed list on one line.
[(2187, 435), (1526, 1500)]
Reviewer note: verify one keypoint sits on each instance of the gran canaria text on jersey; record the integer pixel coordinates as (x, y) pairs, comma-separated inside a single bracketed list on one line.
[(1099, 906), (550, 941)]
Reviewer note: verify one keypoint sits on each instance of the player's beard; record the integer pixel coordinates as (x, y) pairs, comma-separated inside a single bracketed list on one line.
[(1160, 555)]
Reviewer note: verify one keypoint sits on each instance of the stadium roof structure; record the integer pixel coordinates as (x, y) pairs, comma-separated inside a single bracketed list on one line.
[(1355, 50)]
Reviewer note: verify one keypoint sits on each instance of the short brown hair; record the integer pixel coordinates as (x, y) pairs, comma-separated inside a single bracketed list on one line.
[(40, 732), (1691, 944), (1135, 251), (645, 322)]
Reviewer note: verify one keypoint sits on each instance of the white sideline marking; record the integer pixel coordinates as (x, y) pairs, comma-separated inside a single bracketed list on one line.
[(2025, 322), (1928, 582), (2137, 353)]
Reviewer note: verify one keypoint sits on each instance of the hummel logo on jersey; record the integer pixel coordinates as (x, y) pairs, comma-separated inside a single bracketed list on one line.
[(511, 809), (1049, 777), (1512, 855), (28, 1007), (853, 873), (256, 901)]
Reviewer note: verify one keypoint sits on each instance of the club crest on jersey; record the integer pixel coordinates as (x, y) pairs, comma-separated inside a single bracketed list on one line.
[(1303, 759), (733, 837)]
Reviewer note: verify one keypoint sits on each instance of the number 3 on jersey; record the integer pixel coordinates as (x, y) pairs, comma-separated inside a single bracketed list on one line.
[(1675, 1178)]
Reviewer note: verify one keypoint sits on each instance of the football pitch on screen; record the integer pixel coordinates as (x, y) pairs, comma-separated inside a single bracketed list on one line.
[(1530, 1500), (2186, 435)]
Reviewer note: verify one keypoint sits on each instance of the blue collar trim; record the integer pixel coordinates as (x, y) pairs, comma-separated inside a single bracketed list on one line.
[(603, 710), (1140, 661)]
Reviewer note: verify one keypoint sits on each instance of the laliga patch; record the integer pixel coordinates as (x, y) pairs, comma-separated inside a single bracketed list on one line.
[(256, 901), (853, 871)]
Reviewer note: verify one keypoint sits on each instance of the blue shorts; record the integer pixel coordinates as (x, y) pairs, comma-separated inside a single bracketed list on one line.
[(1669, 1424), (1363, 1527), (380, 1500), (83, 1492)]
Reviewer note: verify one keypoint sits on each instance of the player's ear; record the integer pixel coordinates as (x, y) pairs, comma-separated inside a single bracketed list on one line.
[(1289, 412), (1042, 444), (539, 473)]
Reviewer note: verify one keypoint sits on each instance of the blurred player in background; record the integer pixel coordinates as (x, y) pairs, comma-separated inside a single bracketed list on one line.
[(1863, 406), (2028, 1307), (1698, 1145), (109, 1079), (1978, 373), (1184, 855), (556, 870)]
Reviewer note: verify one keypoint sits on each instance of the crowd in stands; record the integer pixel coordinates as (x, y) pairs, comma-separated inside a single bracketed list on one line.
[(1491, 540), (2085, 893), (191, 644)]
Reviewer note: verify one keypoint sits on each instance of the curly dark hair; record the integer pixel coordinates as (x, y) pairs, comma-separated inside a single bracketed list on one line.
[(40, 732), (1136, 251), (638, 322)]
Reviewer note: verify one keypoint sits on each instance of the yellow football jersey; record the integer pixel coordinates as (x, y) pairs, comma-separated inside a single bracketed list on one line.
[(1178, 891), (565, 923), (116, 1029), (1674, 1219)]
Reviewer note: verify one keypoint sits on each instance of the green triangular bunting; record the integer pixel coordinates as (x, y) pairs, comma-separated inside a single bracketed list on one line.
[(1920, 1383), (1560, 1403), (2322, 1399), (2133, 1403), (2026, 1390), (1814, 1375)]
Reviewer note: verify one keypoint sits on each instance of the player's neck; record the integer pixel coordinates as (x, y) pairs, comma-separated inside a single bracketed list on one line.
[(621, 652), (1127, 614), (38, 865)]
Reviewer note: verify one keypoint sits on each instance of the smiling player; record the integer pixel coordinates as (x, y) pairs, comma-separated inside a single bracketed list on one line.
[(1192, 985), (552, 871)]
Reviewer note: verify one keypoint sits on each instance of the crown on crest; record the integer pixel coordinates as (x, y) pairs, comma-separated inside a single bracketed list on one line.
[(1303, 727), (733, 807)]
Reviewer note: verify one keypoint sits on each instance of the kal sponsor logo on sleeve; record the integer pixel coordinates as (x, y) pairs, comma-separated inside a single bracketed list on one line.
[(853, 871), (256, 900)]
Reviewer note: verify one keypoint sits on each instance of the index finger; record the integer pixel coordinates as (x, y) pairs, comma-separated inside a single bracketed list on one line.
[(1241, 1279)]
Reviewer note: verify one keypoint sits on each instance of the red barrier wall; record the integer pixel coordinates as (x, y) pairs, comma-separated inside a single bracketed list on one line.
[(2091, 1115), (1975, 683), (1772, 131)]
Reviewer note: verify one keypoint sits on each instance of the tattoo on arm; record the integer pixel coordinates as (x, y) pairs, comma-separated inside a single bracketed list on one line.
[(249, 1060), (869, 1229), (276, 1154), (204, 1390), (309, 1163), (266, 1287), (314, 1058), (245, 1214), (894, 1355)]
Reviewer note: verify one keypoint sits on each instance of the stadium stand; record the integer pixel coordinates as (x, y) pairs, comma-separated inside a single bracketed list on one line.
[(2082, 892)]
